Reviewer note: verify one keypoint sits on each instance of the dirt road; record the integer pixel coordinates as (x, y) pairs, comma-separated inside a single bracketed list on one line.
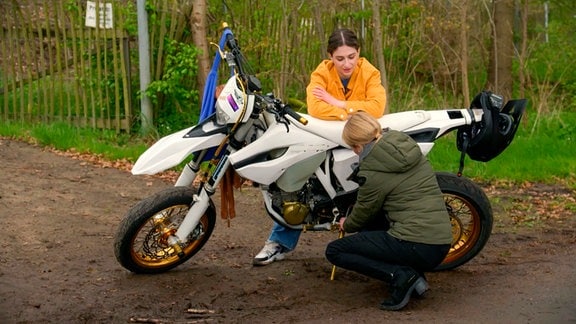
[(57, 265)]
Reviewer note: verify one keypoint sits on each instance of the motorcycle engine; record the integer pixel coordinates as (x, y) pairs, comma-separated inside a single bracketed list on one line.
[(307, 205), (294, 212), (291, 205)]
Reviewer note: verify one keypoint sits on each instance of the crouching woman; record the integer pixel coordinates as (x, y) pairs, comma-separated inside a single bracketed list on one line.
[(400, 220)]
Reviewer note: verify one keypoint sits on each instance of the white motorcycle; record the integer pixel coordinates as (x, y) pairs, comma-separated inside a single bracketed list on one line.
[(302, 167)]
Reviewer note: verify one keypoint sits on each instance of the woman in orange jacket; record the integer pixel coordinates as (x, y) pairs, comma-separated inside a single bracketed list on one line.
[(345, 83), (340, 86)]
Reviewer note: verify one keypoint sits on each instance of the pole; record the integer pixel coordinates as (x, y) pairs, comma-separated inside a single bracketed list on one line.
[(146, 116), (340, 235)]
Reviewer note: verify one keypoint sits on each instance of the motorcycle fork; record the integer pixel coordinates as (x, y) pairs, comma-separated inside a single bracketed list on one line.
[(199, 205), (201, 200), (190, 170)]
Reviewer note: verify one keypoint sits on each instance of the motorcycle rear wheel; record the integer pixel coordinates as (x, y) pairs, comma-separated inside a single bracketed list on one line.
[(470, 215), (141, 240)]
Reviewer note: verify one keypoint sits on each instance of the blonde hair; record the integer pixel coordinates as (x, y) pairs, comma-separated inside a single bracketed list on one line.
[(361, 128)]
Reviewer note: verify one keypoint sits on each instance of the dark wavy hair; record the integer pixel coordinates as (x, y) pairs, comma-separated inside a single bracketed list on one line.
[(341, 37)]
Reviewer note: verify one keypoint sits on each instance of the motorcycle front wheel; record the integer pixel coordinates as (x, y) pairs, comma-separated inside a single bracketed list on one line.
[(470, 215), (141, 242)]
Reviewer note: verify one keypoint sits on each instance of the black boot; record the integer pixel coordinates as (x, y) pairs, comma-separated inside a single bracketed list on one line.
[(420, 294), (404, 283)]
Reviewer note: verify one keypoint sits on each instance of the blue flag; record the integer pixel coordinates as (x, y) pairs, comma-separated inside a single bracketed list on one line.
[(208, 100)]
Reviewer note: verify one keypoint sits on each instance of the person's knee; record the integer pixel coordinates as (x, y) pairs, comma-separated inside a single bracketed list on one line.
[(331, 252)]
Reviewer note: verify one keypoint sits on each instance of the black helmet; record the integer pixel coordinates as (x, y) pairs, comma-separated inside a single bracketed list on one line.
[(487, 138)]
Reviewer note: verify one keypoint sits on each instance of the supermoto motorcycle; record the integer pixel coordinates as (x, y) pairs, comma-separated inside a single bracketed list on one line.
[(301, 166)]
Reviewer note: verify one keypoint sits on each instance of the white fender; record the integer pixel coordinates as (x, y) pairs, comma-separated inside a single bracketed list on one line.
[(172, 149)]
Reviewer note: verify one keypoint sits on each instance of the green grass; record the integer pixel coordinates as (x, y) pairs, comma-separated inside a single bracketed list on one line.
[(107, 143), (543, 152), (546, 153)]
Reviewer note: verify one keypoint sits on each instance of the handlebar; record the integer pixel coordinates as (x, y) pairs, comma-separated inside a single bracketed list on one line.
[(275, 106), (295, 115)]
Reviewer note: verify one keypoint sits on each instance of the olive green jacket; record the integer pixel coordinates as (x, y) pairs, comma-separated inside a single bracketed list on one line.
[(398, 182)]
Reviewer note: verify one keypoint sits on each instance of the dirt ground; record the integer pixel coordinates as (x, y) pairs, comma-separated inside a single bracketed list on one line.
[(59, 215)]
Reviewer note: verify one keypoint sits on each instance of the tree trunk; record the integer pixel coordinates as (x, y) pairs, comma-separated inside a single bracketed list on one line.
[(502, 50), (464, 52), (284, 55), (198, 26), (378, 48), (523, 50)]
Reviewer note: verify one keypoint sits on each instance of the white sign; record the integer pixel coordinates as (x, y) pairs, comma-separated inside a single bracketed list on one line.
[(104, 14)]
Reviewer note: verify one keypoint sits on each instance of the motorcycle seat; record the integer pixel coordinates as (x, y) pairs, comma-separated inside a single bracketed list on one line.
[(332, 130)]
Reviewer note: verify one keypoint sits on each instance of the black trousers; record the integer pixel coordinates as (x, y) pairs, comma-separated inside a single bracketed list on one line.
[(378, 255)]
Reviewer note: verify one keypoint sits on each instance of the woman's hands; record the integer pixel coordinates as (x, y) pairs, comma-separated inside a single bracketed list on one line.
[(322, 94), (341, 223)]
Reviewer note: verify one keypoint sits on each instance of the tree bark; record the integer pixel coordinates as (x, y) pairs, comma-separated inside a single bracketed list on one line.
[(284, 55), (502, 50), (378, 48), (198, 26), (464, 52), (522, 76)]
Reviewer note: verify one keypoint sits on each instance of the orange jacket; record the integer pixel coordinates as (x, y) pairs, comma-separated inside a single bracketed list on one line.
[(365, 91)]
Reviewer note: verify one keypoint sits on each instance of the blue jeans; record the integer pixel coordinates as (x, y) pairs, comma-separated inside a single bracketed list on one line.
[(284, 236)]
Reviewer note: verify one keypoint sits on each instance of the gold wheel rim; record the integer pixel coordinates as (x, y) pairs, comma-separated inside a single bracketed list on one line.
[(150, 248), (466, 227)]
